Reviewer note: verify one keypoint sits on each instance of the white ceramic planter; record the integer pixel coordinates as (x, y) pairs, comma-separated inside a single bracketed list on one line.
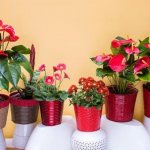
[(125, 136), (22, 134), (89, 140), (2, 141), (147, 124), (52, 137)]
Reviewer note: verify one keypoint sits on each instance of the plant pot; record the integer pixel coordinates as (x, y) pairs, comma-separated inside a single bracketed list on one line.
[(23, 111), (146, 95), (4, 105), (120, 107), (87, 119), (51, 112)]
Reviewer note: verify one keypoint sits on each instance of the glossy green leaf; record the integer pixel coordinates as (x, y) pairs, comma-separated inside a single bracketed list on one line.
[(4, 84), (21, 49), (103, 72)]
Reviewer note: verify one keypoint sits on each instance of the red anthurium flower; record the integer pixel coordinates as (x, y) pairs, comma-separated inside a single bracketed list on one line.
[(49, 80), (141, 64), (115, 44), (55, 68), (42, 67), (57, 76), (13, 38), (3, 54), (125, 42), (1, 22), (131, 50), (66, 75), (103, 58), (117, 63), (9, 29), (147, 46), (61, 67)]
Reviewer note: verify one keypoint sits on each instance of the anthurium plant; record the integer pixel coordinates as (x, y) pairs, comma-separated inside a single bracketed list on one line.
[(11, 59), (88, 93), (48, 87), (124, 66)]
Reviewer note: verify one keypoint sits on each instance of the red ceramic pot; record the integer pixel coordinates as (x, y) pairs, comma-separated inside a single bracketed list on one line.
[(88, 119), (51, 112), (146, 94), (120, 107)]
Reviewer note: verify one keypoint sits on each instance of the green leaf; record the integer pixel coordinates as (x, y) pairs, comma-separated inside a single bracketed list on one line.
[(103, 72), (4, 84), (145, 76), (63, 95), (145, 41), (21, 49), (120, 38)]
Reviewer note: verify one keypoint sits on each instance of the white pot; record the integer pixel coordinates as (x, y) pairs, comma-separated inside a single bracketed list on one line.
[(52, 137), (125, 136), (147, 124), (2, 141), (89, 140), (22, 134)]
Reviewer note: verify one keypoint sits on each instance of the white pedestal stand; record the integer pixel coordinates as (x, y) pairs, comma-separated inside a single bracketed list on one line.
[(22, 134), (125, 136), (89, 140), (2, 141), (52, 137), (147, 124)]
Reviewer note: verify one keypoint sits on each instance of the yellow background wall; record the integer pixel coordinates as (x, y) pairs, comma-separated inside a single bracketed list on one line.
[(72, 31)]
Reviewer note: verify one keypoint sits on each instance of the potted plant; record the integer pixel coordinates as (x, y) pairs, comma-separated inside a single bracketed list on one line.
[(88, 99), (119, 67), (47, 91)]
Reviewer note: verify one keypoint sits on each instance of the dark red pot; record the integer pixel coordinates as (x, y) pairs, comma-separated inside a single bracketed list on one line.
[(146, 94), (120, 107), (51, 112), (88, 119)]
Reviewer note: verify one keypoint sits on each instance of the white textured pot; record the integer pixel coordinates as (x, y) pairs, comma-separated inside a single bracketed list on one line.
[(147, 124), (125, 136), (2, 141), (22, 134), (89, 140), (52, 137)]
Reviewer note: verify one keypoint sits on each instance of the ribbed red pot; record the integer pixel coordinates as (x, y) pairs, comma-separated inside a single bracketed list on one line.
[(146, 94), (51, 112), (120, 107), (87, 119)]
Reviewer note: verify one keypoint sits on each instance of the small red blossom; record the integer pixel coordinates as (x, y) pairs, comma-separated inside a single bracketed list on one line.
[(103, 58), (117, 63), (131, 50), (147, 46), (82, 80), (55, 68), (100, 84), (66, 75), (49, 80), (61, 67), (90, 79), (115, 44), (73, 88), (42, 67), (3, 54), (57, 76)]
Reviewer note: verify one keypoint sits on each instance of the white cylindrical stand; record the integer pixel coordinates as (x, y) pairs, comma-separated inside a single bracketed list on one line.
[(22, 134), (52, 137), (125, 136), (89, 140), (147, 124), (2, 141)]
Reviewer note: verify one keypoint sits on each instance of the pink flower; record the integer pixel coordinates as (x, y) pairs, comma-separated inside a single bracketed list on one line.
[(147, 46), (7, 28), (57, 76), (117, 63), (125, 42), (61, 67), (55, 68), (115, 44), (42, 67), (13, 38), (66, 75), (131, 50), (49, 80), (141, 64), (3, 54), (1, 22), (103, 58)]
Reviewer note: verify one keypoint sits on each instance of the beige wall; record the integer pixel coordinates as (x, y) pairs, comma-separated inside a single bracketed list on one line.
[(72, 31)]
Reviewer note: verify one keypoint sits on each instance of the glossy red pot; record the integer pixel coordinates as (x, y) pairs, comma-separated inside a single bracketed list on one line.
[(51, 112), (87, 119), (146, 95), (120, 107)]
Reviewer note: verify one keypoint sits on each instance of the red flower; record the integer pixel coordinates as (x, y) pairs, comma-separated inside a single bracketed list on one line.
[(55, 68), (49, 80), (66, 75), (115, 44), (131, 50), (13, 38), (100, 84), (82, 80), (7, 28), (90, 79), (1, 22), (125, 42), (147, 46), (57, 76), (88, 84), (103, 58), (103, 90), (42, 67), (3, 54), (61, 67), (141, 64), (117, 63), (73, 88)]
